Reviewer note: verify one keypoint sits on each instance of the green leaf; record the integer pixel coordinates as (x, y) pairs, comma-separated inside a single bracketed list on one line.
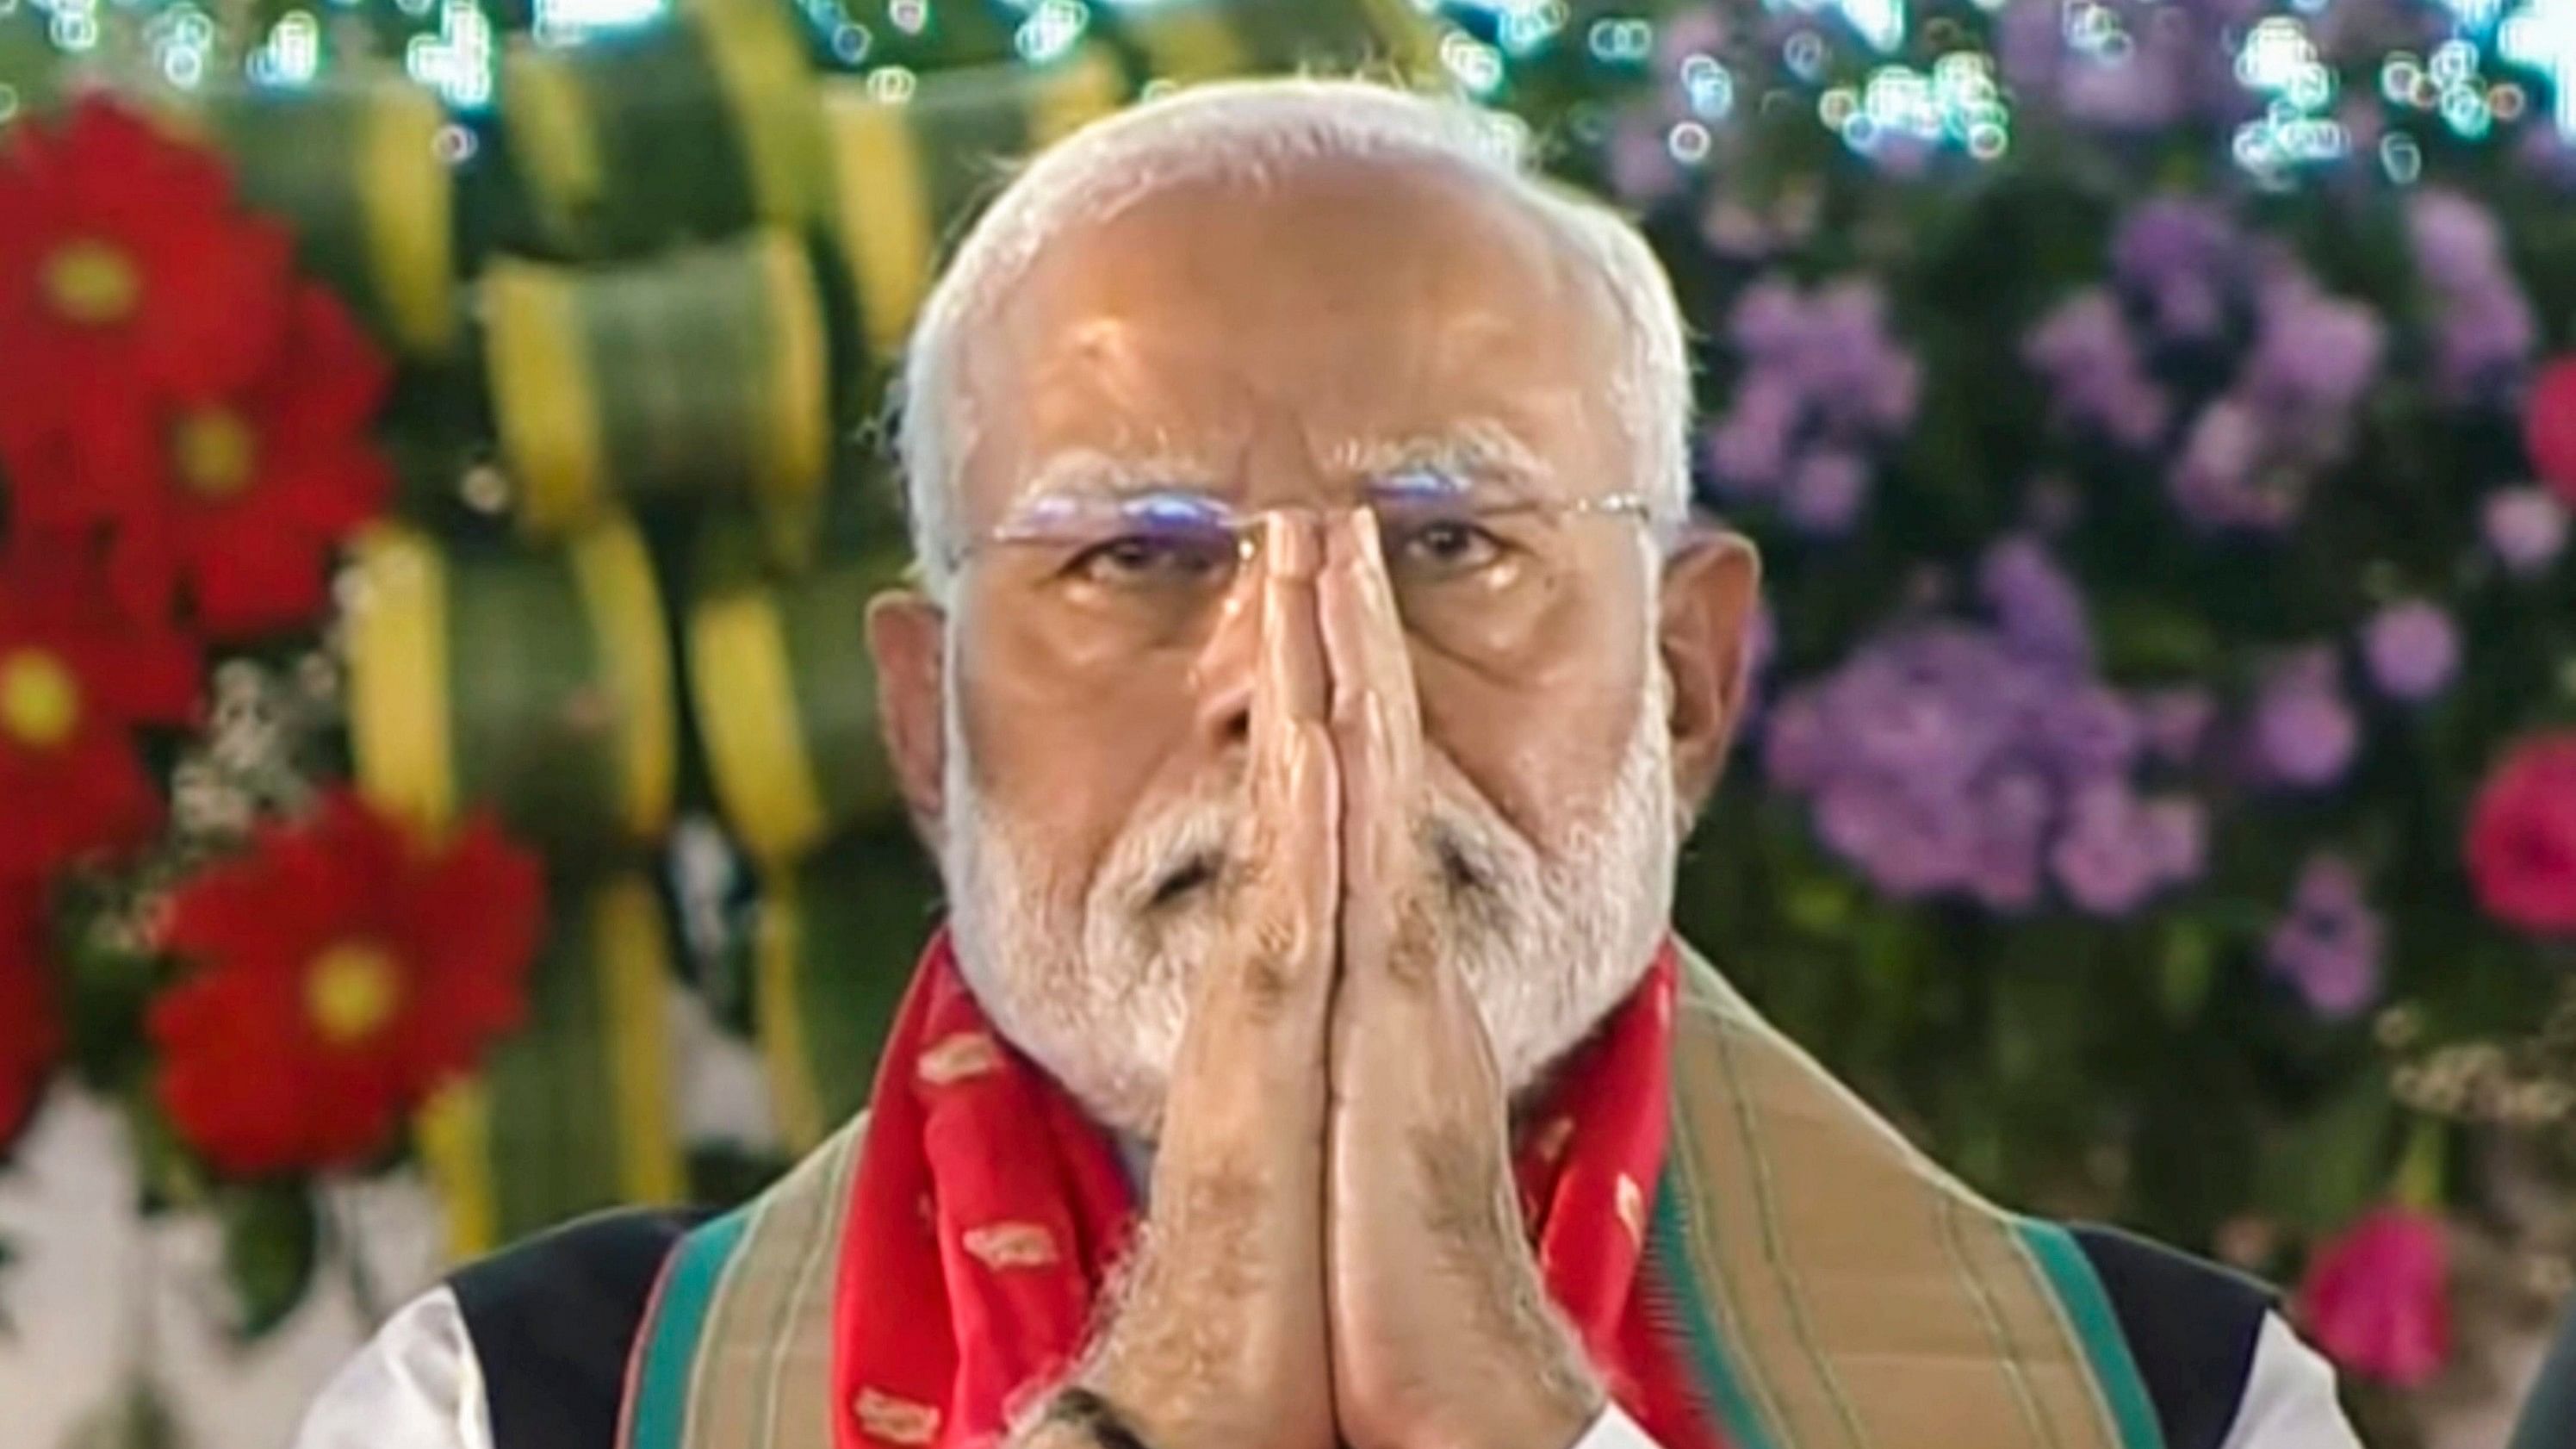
[(2323, 1169), (272, 1243), (2153, 639), (1821, 904), (2185, 968)]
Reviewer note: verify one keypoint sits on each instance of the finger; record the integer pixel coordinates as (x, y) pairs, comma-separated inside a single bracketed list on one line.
[(1377, 737), (1291, 857), (1292, 683), (1254, 1039), (1237, 1197)]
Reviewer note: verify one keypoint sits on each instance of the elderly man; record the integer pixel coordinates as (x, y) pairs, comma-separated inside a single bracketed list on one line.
[(1313, 676)]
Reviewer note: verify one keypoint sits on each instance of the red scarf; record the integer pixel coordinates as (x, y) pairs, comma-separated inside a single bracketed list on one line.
[(988, 1210)]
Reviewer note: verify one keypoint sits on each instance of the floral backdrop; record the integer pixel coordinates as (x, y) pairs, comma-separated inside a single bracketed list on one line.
[(437, 519)]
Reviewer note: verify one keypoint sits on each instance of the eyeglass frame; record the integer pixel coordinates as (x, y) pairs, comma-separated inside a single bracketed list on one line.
[(1244, 525)]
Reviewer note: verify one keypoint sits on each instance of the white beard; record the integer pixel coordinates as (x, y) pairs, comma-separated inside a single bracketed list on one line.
[(1094, 984)]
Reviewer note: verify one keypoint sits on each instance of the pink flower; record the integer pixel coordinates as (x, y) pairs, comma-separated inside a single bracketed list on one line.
[(2521, 845), (2374, 1298), (2549, 426)]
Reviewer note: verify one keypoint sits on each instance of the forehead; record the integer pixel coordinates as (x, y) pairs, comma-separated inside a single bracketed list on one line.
[(1260, 335)]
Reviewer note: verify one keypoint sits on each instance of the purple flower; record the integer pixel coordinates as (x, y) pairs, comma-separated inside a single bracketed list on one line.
[(2305, 733), (2412, 650), (1825, 392), (1734, 230), (1642, 170), (2108, 859), (2088, 731), (2548, 155), (2012, 808), (2037, 605), (2329, 944), (2484, 334), (1826, 492), (1749, 447), (2172, 63), (1769, 320), (1700, 31), (1761, 646), (2095, 379), (2176, 830), (1948, 758), (2178, 261), (1797, 745), (2526, 529), (2457, 244), (2226, 477), (2313, 354)]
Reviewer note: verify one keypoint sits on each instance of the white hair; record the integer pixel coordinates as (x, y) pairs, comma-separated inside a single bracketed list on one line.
[(1247, 131)]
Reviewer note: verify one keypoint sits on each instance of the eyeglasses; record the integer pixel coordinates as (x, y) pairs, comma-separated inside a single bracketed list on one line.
[(1151, 571)]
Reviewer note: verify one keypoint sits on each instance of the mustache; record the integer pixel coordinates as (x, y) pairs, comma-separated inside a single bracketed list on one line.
[(1190, 852)]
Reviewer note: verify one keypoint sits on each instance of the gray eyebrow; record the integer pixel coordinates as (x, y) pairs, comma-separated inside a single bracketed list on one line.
[(1477, 451), (1091, 473)]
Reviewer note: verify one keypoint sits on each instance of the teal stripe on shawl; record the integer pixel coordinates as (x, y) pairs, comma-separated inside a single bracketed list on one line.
[(1668, 1279), (660, 1393), (2088, 1310)]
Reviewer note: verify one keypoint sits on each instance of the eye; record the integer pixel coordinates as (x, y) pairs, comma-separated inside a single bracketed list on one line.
[(1156, 559), (1448, 546)]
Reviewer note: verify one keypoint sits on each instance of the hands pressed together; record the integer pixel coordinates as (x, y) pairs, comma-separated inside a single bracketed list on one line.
[(1333, 1252)]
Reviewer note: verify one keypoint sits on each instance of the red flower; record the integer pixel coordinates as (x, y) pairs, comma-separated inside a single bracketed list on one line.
[(248, 494), (128, 281), (2374, 1298), (31, 1037), (2549, 426), (75, 678), (2522, 836), (342, 970)]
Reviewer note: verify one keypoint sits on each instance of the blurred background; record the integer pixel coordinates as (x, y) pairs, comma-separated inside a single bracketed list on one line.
[(442, 443)]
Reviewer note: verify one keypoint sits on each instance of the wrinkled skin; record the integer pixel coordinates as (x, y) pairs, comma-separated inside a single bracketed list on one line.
[(1311, 1031)]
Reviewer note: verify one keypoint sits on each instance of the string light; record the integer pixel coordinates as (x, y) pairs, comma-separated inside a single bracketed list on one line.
[(1708, 87), (457, 61), (1883, 79), (2400, 158), (892, 85), (1525, 28), (1620, 41), (2542, 37), (1052, 28), (72, 25), (559, 21), (291, 54), (1880, 24), (1478, 67), (1956, 104), (2279, 62), (181, 38)]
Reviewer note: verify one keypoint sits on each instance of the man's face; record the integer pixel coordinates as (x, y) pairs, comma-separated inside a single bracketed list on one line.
[(1076, 740)]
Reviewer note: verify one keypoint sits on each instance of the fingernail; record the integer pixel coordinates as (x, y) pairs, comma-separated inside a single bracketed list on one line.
[(1290, 544)]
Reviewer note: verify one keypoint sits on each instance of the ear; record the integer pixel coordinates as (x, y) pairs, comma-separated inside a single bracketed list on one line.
[(907, 635), (1712, 585)]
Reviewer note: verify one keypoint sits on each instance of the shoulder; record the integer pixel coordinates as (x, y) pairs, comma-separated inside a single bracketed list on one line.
[(552, 1320), (2223, 1368), (525, 1349), (416, 1385)]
